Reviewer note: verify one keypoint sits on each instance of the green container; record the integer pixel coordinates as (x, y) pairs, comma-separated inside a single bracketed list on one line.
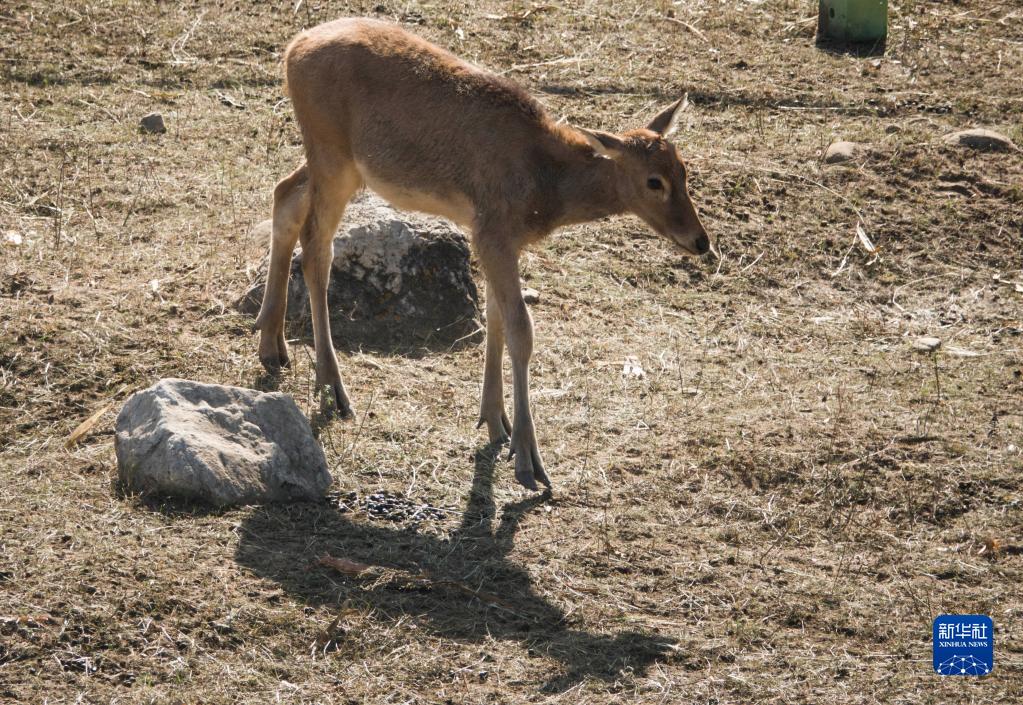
[(853, 20)]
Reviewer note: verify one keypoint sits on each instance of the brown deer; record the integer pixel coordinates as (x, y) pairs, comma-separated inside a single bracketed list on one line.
[(381, 108)]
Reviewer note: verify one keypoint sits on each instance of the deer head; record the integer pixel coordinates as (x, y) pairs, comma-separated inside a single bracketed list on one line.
[(651, 178)]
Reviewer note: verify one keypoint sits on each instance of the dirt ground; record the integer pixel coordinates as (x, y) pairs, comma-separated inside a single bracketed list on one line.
[(773, 513)]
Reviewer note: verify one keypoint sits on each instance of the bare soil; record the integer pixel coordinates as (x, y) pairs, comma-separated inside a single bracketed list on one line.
[(773, 513)]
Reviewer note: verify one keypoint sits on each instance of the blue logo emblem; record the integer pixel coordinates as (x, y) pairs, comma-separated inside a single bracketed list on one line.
[(964, 645)]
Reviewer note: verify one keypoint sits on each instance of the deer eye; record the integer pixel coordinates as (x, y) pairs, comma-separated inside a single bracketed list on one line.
[(654, 183)]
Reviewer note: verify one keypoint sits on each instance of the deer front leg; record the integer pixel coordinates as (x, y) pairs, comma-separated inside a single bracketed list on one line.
[(316, 261), (502, 272), (492, 402), (328, 198)]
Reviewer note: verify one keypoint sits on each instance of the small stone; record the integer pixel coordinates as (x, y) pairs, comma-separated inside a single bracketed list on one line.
[(531, 296), (926, 344), (981, 139), (839, 152), (220, 445), (153, 124), (892, 129)]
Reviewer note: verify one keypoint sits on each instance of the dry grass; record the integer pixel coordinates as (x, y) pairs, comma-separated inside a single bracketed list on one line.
[(775, 513)]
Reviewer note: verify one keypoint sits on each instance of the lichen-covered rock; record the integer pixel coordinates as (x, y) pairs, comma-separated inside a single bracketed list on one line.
[(396, 278), (216, 444)]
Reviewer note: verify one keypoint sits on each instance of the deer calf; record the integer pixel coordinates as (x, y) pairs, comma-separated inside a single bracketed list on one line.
[(381, 108)]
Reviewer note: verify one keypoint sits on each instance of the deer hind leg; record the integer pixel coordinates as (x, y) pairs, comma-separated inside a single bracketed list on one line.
[(500, 265), (330, 192), (290, 210), (492, 401)]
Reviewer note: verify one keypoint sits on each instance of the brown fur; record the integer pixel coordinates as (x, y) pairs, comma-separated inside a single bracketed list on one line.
[(383, 108)]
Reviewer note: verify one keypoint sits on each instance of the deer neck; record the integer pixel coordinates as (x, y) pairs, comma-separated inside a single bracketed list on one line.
[(587, 190)]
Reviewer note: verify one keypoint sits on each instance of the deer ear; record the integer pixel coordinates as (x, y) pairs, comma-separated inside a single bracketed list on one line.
[(666, 121), (603, 143)]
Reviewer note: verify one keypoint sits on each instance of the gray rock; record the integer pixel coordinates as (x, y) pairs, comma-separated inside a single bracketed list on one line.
[(838, 152), (981, 139), (396, 279), (153, 124), (530, 296), (219, 445)]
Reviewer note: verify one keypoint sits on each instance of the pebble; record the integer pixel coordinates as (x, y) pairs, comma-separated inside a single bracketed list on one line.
[(531, 296), (153, 124), (926, 344), (842, 151)]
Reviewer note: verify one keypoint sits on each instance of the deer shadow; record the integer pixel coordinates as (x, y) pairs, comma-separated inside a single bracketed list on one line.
[(281, 542)]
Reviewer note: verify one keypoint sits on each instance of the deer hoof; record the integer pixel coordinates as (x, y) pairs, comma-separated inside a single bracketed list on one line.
[(498, 427), (275, 363), (529, 467), (273, 352), (334, 402)]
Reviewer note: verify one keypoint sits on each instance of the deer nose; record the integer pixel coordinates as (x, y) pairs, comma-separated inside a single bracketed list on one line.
[(703, 244)]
